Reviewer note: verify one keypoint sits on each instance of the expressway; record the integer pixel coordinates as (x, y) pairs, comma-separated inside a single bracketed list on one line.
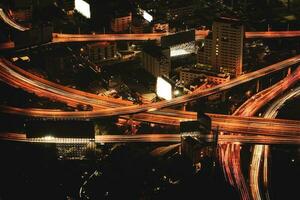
[(168, 138), (272, 34), (224, 123), (42, 87), (230, 154), (8, 20), (261, 152), (20, 78), (199, 34)]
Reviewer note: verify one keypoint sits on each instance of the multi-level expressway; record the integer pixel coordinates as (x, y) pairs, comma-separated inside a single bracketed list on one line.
[(20, 78), (261, 152), (230, 154), (224, 123)]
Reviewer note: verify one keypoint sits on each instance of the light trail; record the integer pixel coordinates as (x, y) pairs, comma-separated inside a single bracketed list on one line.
[(262, 151), (249, 108), (11, 22), (132, 109), (153, 138)]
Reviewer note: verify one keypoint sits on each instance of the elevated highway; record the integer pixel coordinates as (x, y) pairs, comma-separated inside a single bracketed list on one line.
[(199, 34), (116, 107), (155, 138), (222, 123)]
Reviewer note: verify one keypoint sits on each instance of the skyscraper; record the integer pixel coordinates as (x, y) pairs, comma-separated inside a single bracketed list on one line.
[(227, 46), (223, 49)]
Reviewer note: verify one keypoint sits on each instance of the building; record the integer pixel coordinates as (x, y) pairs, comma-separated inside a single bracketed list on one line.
[(224, 48), (180, 44), (100, 51), (178, 12), (68, 6), (227, 46), (195, 136), (189, 75), (204, 54), (156, 60), (160, 27), (36, 35), (138, 25), (22, 10), (121, 22)]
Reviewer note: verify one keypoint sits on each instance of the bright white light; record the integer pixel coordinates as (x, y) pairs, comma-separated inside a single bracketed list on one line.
[(147, 16), (176, 92), (48, 138), (178, 52), (183, 49), (83, 8), (163, 89)]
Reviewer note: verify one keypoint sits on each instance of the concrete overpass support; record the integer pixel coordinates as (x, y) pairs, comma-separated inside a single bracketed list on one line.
[(257, 85), (289, 71)]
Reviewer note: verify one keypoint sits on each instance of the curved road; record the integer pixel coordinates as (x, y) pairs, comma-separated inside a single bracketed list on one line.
[(8, 73), (8, 20), (230, 154)]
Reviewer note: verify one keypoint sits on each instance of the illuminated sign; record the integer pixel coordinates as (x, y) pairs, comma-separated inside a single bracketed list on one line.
[(83, 8), (163, 88), (147, 16)]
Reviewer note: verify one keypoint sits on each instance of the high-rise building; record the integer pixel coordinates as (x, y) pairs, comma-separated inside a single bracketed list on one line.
[(224, 48), (227, 46), (156, 60)]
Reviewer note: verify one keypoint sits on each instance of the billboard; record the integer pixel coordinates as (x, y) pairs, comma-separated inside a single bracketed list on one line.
[(83, 8), (147, 16), (163, 88)]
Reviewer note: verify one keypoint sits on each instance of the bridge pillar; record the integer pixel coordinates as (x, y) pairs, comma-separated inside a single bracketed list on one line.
[(257, 86), (196, 135), (184, 106), (289, 71)]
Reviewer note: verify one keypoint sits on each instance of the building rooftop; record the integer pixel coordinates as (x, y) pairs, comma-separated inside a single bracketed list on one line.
[(195, 70), (155, 51), (232, 21)]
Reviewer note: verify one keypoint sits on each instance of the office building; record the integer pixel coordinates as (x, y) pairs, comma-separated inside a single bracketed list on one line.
[(189, 75), (224, 48), (100, 51), (178, 12), (227, 46), (156, 60)]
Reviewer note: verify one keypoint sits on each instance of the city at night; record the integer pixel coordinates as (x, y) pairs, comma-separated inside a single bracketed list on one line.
[(149, 99)]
